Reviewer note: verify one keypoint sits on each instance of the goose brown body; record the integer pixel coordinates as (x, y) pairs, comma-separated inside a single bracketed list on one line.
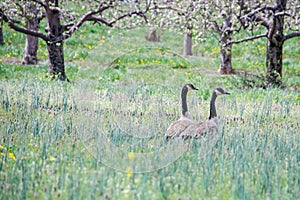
[(177, 127), (190, 128)]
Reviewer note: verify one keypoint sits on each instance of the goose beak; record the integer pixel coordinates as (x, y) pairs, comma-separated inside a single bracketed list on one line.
[(226, 92), (192, 87)]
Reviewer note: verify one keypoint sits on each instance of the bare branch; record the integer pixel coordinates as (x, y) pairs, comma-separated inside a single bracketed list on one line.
[(27, 31), (217, 27), (253, 12), (254, 16), (247, 39), (291, 35), (89, 16), (282, 14), (139, 13), (264, 21), (12, 24)]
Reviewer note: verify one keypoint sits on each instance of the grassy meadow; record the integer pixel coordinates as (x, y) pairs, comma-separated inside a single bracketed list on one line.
[(101, 136)]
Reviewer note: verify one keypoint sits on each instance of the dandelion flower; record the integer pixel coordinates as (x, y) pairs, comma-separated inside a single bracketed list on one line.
[(12, 156), (136, 181), (52, 158), (130, 155), (129, 172), (1, 147)]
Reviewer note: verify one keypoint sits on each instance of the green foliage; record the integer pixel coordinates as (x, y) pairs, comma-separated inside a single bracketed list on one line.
[(45, 124)]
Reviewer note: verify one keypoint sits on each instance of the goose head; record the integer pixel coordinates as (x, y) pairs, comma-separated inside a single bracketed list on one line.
[(216, 92), (220, 91), (190, 87)]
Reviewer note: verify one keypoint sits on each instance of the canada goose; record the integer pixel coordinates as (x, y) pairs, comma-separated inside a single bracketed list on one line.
[(182, 123), (196, 129)]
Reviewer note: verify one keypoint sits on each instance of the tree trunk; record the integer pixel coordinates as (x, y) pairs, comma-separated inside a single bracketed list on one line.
[(31, 45), (275, 47), (54, 46), (56, 60), (225, 55), (225, 50), (274, 62), (1, 34), (153, 37), (187, 44)]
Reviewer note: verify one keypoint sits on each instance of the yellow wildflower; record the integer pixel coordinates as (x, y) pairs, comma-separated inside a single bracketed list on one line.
[(89, 46), (130, 155), (52, 158), (129, 172), (1, 147), (12, 156), (136, 181)]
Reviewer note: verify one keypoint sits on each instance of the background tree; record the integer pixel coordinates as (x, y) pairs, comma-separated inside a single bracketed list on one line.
[(281, 20), (221, 19), (61, 23), (180, 16), (1, 33), (196, 18), (33, 17)]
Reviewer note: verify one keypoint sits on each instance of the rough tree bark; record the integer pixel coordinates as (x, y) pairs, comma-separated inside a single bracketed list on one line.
[(1, 34), (225, 55), (31, 44), (187, 44), (55, 48), (225, 33), (275, 46)]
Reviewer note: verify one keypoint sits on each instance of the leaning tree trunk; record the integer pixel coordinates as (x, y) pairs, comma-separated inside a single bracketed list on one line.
[(225, 54), (187, 44), (31, 45), (1, 34), (55, 45)]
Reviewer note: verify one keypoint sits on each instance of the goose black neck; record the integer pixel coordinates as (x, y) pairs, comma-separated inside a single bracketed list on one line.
[(213, 112), (183, 100)]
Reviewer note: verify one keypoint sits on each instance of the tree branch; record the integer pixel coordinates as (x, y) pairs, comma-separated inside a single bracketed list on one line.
[(11, 23), (253, 12), (254, 16), (27, 31), (291, 35), (89, 16), (139, 13), (246, 39), (216, 27), (264, 21), (283, 13)]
